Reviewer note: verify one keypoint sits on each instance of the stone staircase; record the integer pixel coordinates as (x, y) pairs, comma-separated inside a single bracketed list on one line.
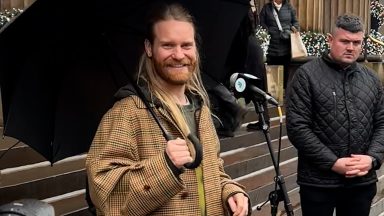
[(25, 174)]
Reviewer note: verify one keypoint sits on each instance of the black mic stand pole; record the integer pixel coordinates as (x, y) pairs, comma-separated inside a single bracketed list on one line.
[(278, 194)]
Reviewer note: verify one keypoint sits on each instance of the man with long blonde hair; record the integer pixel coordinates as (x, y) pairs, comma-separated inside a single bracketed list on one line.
[(132, 169)]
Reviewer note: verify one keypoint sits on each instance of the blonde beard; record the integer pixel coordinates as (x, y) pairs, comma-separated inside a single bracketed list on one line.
[(174, 78)]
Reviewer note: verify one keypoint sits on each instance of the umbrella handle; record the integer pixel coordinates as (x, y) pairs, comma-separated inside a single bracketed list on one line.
[(198, 151)]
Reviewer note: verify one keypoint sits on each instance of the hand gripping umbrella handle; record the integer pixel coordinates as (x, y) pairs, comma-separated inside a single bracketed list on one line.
[(195, 142), (198, 153)]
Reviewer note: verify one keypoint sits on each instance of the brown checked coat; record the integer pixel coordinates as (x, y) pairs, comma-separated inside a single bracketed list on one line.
[(128, 173)]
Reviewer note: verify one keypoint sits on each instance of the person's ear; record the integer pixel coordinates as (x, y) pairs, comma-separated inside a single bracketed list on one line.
[(148, 48), (329, 37)]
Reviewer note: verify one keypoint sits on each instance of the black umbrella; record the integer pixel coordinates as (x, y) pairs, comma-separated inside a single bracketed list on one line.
[(57, 73), (55, 76)]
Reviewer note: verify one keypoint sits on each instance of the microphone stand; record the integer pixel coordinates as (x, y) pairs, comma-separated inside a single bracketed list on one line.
[(278, 194)]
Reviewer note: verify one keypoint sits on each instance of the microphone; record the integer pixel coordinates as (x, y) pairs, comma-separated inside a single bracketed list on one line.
[(242, 82)]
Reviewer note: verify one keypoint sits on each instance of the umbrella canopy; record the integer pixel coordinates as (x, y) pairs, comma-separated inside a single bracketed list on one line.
[(55, 78), (222, 25), (58, 71)]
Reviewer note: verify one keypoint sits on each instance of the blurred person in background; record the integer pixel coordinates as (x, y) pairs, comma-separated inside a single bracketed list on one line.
[(279, 50)]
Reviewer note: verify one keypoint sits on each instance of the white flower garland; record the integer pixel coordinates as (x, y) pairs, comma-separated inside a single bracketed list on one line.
[(377, 10), (7, 15)]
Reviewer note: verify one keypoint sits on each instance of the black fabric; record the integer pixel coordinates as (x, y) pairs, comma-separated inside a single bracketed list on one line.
[(223, 37), (374, 23), (285, 35), (254, 64), (228, 113), (237, 55), (333, 112), (347, 201), (91, 206), (228, 58)]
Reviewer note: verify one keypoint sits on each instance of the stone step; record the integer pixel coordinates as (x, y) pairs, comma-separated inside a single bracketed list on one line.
[(255, 163), (23, 153), (253, 116), (11, 148), (260, 195), (70, 203), (245, 137), (260, 178), (377, 208), (42, 180), (45, 188), (256, 150)]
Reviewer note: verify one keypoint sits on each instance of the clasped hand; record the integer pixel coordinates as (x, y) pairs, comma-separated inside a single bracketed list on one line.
[(354, 166)]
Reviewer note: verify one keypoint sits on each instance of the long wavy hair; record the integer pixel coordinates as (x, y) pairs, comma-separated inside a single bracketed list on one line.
[(147, 71)]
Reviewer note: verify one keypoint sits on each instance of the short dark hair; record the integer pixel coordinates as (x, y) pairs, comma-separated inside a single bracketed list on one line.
[(351, 23)]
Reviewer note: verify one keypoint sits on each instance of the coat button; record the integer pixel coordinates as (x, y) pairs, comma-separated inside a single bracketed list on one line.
[(184, 195), (147, 187)]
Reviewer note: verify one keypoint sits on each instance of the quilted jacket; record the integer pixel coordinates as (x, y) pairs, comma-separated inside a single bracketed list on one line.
[(332, 113), (128, 173)]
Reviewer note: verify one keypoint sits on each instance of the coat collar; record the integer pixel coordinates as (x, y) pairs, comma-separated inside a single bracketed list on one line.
[(331, 63), (129, 90)]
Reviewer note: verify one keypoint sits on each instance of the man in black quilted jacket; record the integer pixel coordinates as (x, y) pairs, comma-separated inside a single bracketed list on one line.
[(335, 119)]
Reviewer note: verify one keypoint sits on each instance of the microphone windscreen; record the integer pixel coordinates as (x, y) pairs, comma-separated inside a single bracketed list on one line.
[(232, 80)]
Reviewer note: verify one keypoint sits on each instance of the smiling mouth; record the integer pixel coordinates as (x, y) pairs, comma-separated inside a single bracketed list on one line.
[(178, 65)]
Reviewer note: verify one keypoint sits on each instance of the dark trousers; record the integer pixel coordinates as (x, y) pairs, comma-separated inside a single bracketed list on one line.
[(354, 201), (281, 60)]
